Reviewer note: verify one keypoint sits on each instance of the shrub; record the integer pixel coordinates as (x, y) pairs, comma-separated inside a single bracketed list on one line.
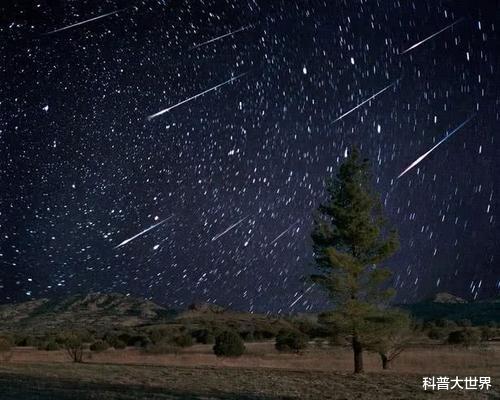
[(5, 344), (139, 341), (437, 334), (117, 340), (290, 341), (49, 345), (247, 336), (204, 336), (267, 334), (28, 341), (487, 333), (119, 344), (158, 335), (229, 344), (183, 340), (466, 337), (99, 345), (52, 345), (163, 347)]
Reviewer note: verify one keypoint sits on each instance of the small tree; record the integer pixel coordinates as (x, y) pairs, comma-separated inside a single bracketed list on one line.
[(350, 237), (73, 343), (229, 344), (391, 336)]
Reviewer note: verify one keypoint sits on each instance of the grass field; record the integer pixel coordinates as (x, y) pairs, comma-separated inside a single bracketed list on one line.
[(319, 373)]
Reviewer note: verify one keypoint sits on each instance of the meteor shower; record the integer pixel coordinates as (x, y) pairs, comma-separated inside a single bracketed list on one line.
[(253, 189)]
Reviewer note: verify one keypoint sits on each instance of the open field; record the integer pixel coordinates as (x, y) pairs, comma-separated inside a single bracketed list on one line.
[(262, 373), (431, 359)]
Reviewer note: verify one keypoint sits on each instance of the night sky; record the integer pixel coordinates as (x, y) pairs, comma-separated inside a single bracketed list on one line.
[(230, 177)]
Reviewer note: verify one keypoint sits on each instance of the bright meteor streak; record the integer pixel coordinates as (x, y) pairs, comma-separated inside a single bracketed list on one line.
[(86, 21), (283, 233), (448, 135), (219, 37), (302, 295), (430, 37), (364, 102), (194, 97), (228, 229), (142, 233)]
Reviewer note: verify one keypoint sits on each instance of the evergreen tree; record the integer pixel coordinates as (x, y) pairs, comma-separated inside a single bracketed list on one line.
[(350, 238)]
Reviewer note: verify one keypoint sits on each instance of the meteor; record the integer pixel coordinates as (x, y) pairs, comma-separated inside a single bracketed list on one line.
[(448, 135), (150, 117), (430, 37), (86, 21), (228, 229), (282, 233), (302, 295), (364, 102), (219, 37), (142, 233)]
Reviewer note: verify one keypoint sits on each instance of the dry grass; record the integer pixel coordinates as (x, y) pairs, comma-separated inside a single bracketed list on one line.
[(261, 373), (423, 360)]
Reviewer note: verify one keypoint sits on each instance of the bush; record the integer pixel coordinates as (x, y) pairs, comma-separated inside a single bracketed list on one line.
[(115, 340), (183, 340), (119, 344), (139, 341), (99, 345), (229, 344), (204, 336), (487, 333), (50, 345), (247, 336), (5, 344), (290, 341), (163, 347), (267, 334), (466, 337), (437, 334), (28, 341)]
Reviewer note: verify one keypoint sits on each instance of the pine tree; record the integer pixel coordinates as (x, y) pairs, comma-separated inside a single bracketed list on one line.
[(350, 238)]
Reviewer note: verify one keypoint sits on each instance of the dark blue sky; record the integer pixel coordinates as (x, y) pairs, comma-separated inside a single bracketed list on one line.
[(82, 169)]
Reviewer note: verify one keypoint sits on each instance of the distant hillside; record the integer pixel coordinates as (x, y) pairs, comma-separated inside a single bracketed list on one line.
[(448, 306), (447, 298), (100, 312), (92, 310), (215, 317)]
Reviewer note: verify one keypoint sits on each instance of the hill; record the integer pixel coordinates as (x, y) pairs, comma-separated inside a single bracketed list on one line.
[(102, 312), (447, 298), (448, 306), (93, 310)]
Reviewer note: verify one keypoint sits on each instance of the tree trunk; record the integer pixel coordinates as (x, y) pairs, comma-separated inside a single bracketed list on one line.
[(386, 364), (358, 355)]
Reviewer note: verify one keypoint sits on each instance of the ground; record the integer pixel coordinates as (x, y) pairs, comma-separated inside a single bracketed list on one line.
[(319, 373)]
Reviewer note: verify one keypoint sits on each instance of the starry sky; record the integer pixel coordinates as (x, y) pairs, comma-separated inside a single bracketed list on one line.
[(211, 200)]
